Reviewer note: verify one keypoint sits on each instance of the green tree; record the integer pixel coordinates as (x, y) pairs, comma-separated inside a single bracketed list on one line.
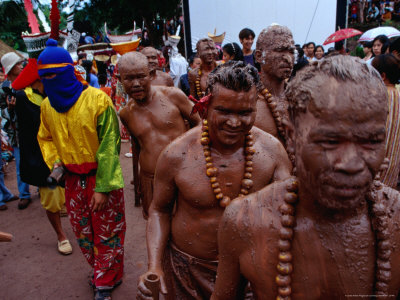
[(120, 14), (14, 21)]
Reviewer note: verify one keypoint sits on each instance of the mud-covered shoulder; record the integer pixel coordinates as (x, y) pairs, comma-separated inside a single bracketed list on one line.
[(178, 149), (266, 140)]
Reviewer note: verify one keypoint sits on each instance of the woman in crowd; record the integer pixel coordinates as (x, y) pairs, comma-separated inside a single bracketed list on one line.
[(319, 52), (232, 51)]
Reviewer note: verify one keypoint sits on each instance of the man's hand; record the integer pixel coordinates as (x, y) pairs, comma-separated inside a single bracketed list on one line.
[(98, 201), (143, 292)]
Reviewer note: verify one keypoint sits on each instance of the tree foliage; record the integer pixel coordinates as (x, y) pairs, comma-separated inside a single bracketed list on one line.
[(14, 21), (120, 15)]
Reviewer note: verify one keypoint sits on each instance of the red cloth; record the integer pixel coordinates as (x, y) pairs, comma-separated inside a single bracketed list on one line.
[(200, 106), (101, 234), (33, 23), (28, 75)]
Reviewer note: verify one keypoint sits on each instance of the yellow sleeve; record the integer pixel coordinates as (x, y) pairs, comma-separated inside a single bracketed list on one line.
[(49, 150)]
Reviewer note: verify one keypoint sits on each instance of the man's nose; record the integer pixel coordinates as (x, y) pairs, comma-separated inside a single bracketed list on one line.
[(350, 160), (234, 121)]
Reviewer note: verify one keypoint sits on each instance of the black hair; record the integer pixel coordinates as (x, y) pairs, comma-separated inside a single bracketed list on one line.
[(368, 45), (395, 45), (310, 43), (234, 75), (385, 42), (245, 33), (87, 65), (339, 45), (233, 49), (319, 46), (102, 78), (192, 58), (388, 64)]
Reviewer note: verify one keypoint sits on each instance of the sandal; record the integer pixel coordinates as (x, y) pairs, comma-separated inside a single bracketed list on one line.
[(103, 295), (24, 202)]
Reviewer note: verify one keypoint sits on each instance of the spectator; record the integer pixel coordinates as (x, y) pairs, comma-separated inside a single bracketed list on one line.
[(12, 64), (102, 82), (394, 48), (310, 51), (380, 45), (319, 52), (90, 77), (389, 68), (339, 47), (194, 62), (373, 13), (232, 51), (367, 47), (387, 15), (246, 37)]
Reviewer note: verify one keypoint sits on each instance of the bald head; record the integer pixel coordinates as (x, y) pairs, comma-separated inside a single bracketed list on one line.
[(269, 37), (131, 59), (134, 70), (151, 54)]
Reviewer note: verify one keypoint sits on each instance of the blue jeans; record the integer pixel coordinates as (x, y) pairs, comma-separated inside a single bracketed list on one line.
[(23, 188), (5, 194)]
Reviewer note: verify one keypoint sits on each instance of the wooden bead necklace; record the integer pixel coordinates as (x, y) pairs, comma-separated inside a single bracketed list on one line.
[(379, 220), (199, 93), (212, 171), (288, 222), (277, 118)]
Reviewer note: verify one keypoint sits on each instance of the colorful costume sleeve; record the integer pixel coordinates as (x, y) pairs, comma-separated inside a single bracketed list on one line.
[(109, 173), (49, 150)]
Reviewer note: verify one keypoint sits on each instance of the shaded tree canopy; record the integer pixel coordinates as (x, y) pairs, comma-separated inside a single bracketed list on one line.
[(120, 15)]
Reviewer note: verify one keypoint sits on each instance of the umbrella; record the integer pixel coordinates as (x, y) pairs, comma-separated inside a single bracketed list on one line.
[(373, 33), (342, 34)]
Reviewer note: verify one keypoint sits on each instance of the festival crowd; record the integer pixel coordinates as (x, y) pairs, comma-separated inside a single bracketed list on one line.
[(266, 170)]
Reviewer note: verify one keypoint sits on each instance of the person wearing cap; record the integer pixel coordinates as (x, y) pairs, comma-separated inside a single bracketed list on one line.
[(79, 133), (13, 65), (33, 169)]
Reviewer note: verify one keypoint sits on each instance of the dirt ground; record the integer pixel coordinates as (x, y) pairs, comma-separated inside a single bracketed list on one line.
[(31, 267)]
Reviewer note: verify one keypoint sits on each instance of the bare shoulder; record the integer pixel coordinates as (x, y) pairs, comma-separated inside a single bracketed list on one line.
[(267, 141), (127, 110), (178, 150), (246, 215), (173, 94), (193, 73)]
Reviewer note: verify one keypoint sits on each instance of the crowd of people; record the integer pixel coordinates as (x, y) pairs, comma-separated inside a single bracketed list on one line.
[(262, 173), (368, 11)]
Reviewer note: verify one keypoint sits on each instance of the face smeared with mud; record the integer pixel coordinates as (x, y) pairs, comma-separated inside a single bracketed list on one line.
[(151, 55), (231, 114), (340, 142), (207, 51), (276, 48)]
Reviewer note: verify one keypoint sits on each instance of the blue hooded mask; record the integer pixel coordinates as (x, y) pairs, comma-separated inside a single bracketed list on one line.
[(64, 89)]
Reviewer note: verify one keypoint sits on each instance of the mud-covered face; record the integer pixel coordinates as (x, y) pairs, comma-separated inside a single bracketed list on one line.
[(207, 52), (340, 144), (151, 55), (278, 60), (231, 115), (136, 80)]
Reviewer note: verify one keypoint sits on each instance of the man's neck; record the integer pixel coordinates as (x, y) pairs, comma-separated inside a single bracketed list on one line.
[(153, 73), (308, 207), (274, 85), (208, 67), (247, 52), (225, 149)]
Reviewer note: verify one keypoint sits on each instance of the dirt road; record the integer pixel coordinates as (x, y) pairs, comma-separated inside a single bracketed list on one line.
[(32, 269)]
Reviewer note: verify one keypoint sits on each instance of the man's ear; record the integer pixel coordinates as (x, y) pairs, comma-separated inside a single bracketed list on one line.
[(289, 133), (258, 56), (383, 75)]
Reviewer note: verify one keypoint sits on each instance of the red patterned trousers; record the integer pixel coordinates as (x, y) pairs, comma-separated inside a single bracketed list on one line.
[(100, 234)]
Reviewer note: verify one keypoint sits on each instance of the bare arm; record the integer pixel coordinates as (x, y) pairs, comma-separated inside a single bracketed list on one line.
[(283, 167), (185, 107), (192, 82), (229, 282), (135, 165), (158, 226)]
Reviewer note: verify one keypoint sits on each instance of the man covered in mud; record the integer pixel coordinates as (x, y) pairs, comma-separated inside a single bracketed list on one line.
[(198, 77), (198, 174), (154, 117), (341, 239), (156, 77), (275, 54)]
